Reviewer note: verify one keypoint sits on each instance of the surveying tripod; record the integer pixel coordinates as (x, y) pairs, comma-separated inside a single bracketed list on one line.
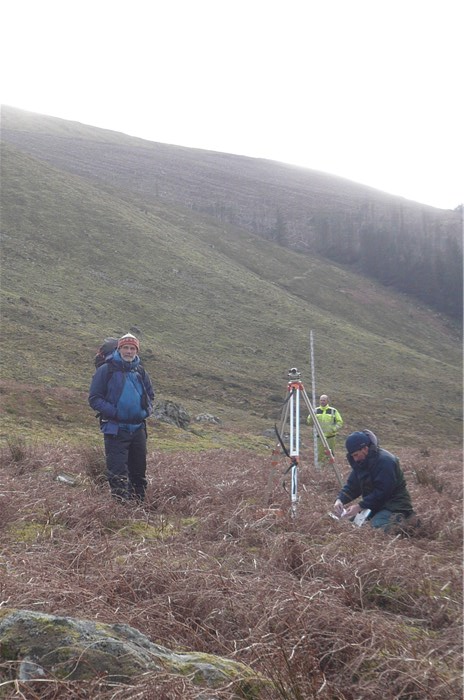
[(291, 414)]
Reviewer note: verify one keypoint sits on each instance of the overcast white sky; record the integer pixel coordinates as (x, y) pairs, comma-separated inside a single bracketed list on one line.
[(371, 90)]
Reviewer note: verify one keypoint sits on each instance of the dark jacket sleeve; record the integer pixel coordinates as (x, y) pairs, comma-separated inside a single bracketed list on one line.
[(351, 490), (384, 482), (98, 394)]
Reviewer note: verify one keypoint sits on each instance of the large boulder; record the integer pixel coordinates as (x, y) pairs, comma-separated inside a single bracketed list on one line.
[(208, 418), (170, 412), (73, 649)]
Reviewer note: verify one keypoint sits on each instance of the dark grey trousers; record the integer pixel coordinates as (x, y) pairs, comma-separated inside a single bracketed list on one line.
[(126, 463)]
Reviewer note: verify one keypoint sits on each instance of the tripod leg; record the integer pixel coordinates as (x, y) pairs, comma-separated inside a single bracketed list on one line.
[(274, 471), (294, 446), (294, 488), (294, 423), (284, 418)]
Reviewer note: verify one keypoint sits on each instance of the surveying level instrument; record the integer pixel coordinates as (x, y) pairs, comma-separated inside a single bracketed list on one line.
[(291, 418)]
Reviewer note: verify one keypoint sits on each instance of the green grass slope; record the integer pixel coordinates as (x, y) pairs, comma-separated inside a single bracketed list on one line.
[(222, 314), (403, 244)]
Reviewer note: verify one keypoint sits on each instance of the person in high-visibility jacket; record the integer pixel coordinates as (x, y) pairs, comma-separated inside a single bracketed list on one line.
[(330, 421)]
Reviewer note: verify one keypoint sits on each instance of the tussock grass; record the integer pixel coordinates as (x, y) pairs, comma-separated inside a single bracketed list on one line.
[(428, 476), (325, 610)]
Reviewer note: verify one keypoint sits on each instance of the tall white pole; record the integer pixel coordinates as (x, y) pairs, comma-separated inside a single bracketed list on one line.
[(313, 395)]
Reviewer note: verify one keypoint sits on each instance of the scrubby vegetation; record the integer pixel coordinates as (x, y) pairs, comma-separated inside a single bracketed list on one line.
[(213, 562)]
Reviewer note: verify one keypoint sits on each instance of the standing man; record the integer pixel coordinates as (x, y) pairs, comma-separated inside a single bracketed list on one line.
[(330, 421), (378, 479), (122, 393)]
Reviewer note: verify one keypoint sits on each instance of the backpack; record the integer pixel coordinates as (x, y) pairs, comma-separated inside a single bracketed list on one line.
[(108, 346)]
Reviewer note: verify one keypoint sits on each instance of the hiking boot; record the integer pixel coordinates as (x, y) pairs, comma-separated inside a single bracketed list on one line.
[(119, 488), (136, 493)]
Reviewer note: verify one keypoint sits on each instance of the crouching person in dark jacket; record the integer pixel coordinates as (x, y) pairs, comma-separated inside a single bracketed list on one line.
[(122, 393), (378, 479)]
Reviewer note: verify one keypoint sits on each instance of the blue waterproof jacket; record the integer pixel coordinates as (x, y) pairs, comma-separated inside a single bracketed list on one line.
[(380, 481), (122, 393)]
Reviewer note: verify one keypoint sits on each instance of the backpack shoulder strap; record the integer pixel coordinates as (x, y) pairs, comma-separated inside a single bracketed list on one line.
[(110, 370), (140, 370)]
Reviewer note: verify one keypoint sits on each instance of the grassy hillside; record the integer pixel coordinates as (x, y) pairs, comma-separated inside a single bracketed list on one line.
[(404, 245), (223, 314)]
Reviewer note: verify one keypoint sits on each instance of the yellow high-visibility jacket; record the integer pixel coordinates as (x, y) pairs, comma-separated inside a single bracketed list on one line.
[(329, 419)]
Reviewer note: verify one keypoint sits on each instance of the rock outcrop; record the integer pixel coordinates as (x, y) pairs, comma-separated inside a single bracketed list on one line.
[(170, 412), (67, 648)]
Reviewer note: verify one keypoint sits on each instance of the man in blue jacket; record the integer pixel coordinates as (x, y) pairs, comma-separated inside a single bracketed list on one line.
[(122, 393), (378, 479)]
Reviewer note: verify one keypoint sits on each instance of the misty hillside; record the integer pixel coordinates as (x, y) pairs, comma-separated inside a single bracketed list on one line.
[(93, 245), (406, 246)]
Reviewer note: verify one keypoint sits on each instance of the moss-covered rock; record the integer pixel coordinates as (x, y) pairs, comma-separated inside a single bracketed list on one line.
[(73, 649)]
